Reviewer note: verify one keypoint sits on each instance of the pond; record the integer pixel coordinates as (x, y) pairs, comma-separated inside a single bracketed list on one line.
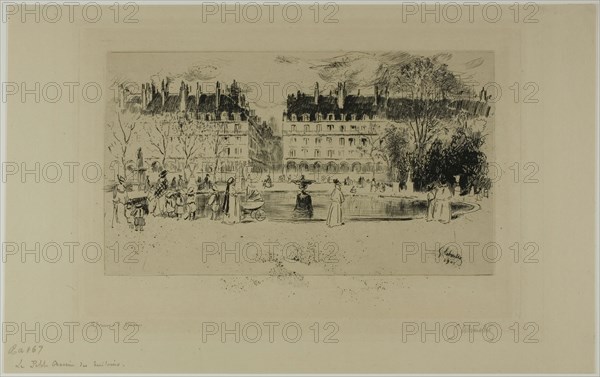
[(279, 206)]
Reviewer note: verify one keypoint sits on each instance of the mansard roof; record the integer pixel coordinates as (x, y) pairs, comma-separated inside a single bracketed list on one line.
[(207, 104), (390, 108)]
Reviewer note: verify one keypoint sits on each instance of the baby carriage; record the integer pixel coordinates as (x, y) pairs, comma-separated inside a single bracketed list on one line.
[(252, 207), (254, 210)]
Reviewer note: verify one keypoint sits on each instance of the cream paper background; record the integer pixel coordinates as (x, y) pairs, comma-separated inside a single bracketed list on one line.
[(558, 134)]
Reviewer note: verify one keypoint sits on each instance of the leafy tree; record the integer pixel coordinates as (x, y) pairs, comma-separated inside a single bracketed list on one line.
[(429, 86)]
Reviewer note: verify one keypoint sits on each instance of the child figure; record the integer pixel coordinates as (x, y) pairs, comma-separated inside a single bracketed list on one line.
[(139, 214), (192, 207), (180, 205), (170, 205), (129, 209), (213, 202)]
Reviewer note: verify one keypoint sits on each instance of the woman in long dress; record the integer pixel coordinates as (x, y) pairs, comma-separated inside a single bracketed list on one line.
[(334, 217), (442, 211), (431, 194), (119, 199), (231, 205)]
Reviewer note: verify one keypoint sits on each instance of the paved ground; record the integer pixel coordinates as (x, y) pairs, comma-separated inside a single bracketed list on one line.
[(169, 246)]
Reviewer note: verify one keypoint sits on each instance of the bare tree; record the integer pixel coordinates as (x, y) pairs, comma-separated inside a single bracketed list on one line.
[(373, 145), (218, 143), (189, 137), (122, 131), (159, 136)]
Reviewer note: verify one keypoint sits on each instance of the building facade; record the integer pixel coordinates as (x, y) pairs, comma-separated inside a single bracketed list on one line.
[(334, 136), (241, 137)]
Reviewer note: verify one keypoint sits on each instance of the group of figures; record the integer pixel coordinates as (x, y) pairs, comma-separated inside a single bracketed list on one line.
[(232, 205), (304, 206), (181, 203)]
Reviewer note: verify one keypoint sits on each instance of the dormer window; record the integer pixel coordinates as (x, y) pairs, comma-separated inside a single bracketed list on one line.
[(306, 117), (353, 116), (319, 117), (330, 116), (365, 117), (294, 118), (224, 115)]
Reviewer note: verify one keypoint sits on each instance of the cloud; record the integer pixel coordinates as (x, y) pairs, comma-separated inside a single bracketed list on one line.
[(286, 59), (471, 64), (357, 69), (200, 72)]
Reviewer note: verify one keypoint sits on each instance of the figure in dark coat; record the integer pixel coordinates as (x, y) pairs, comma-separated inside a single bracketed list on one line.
[(304, 207)]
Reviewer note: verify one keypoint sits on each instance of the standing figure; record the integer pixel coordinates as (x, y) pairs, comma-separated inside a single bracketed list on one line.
[(213, 202), (160, 193), (139, 214), (192, 207), (431, 193), (303, 208), (334, 217), (119, 199), (180, 204), (442, 211), (170, 204), (206, 184), (231, 204)]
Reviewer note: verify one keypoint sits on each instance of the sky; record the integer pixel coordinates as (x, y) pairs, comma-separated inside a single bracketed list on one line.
[(268, 77)]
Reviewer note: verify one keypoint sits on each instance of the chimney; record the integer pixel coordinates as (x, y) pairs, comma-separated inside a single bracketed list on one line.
[(316, 93), (121, 96), (341, 94), (163, 93), (143, 96), (149, 94), (386, 96), (376, 95), (218, 95), (182, 97), (198, 94)]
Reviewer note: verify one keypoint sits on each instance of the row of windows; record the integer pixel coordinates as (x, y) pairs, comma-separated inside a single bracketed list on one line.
[(223, 116), (236, 128), (234, 151), (330, 153), (331, 128), (329, 140), (306, 117)]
